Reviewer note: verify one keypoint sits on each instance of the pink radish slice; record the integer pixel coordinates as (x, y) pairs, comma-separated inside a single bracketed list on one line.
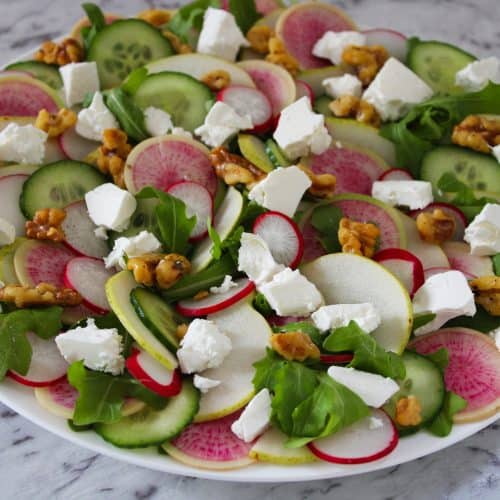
[(53, 151), (198, 202), (76, 147), (452, 211), (11, 187), (396, 174), (359, 443), (282, 236), (336, 359), (460, 258), (72, 315), (267, 6), (47, 365), (404, 265), (64, 395), (393, 41), (473, 370), (284, 320), (20, 97), (304, 90), (216, 302), (88, 277)]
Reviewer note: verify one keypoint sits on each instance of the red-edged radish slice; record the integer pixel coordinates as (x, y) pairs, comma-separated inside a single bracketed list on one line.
[(282, 236), (452, 211), (198, 202), (438, 270), (216, 302), (88, 277), (396, 174), (365, 441), (249, 101), (76, 147), (393, 41), (153, 375), (47, 364), (304, 90), (460, 259), (336, 359), (404, 265), (79, 232)]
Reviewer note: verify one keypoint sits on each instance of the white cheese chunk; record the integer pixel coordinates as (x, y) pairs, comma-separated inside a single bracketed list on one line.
[(494, 334), (373, 389), (204, 346), (333, 43), (181, 132), (496, 152), (144, 242), (225, 286), (447, 295), (110, 207), (204, 384), (7, 232), (483, 233), (412, 194), (395, 90), (255, 419), (476, 75), (95, 119), (157, 121), (337, 86), (99, 349), (339, 315), (22, 144), (79, 79)]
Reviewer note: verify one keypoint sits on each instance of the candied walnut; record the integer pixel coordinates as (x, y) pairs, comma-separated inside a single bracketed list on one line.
[(487, 293), (279, 56), (46, 225), (350, 106), (323, 185), (181, 331), (367, 61), (113, 154), (201, 295), (44, 294), (68, 51), (294, 346), (178, 45), (259, 37), (408, 411), (478, 133), (55, 124), (358, 237), (436, 227), (156, 17), (216, 80)]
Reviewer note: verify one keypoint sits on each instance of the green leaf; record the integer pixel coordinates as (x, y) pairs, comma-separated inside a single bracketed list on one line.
[(250, 213), (304, 327), (440, 358), (266, 369), (217, 242), (496, 264), (261, 305), (481, 321), (231, 245), (245, 13), (419, 320), (464, 195), (97, 23), (453, 403), (134, 80), (326, 220)]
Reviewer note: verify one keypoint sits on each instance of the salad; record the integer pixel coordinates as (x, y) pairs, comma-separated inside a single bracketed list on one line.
[(242, 232)]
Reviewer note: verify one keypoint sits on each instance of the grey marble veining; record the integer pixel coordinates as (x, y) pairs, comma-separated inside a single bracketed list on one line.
[(37, 465)]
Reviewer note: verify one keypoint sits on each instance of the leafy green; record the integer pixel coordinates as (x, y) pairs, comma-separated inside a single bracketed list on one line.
[(440, 358), (134, 80), (481, 321), (266, 369), (216, 241), (419, 320), (261, 305), (249, 214), (304, 327), (326, 220), (97, 23), (231, 245), (496, 264), (245, 13), (453, 403)]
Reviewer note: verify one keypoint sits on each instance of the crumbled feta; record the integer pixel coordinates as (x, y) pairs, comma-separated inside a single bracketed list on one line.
[(79, 79), (483, 233), (144, 242), (290, 293), (110, 207), (339, 315), (494, 334), (95, 119), (412, 194), (395, 90), (447, 295), (226, 285), (476, 75), (204, 384), (300, 131), (101, 233), (333, 43), (157, 121), (22, 144), (7, 232), (220, 35), (255, 419), (375, 423), (181, 132), (204, 346), (338, 86), (373, 389), (99, 349), (496, 152)]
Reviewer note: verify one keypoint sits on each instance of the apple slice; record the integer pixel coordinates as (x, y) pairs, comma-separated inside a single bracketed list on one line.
[(314, 77), (460, 258)]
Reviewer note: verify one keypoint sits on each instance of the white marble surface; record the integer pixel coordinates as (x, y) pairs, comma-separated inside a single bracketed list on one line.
[(37, 465)]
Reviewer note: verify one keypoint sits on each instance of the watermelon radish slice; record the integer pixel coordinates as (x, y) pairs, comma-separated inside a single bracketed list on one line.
[(267, 6), (336, 359), (282, 236), (364, 441), (76, 147), (88, 277), (161, 162), (211, 445), (11, 187), (79, 232), (396, 174), (304, 90), (47, 364), (404, 265), (473, 370), (198, 202), (448, 209), (393, 41), (216, 302), (460, 258), (301, 26)]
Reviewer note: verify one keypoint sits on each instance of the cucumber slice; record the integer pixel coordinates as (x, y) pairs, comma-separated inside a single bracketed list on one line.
[(47, 73), (437, 63), (276, 154), (57, 185), (157, 316), (254, 150), (321, 105), (149, 427), (125, 45), (186, 100)]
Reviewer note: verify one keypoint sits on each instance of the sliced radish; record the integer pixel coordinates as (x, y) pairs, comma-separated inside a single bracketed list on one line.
[(336, 359), (282, 236), (396, 174), (74, 314), (47, 365), (393, 41), (216, 302), (448, 209), (284, 320), (76, 147), (304, 90), (11, 187), (460, 258), (404, 265), (365, 441), (198, 202), (153, 375), (432, 271), (88, 277)]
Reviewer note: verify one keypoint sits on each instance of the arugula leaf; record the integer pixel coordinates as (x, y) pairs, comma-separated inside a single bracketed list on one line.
[(261, 305), (134, 80), (496, 264), (97, 23), (266, 369), (231, 245), (440, 358), (217, 242), (304, 327), (368, 355), (481, 321), (419, 320), (453, 403), (326, 220), (250, 213), (245, 13)]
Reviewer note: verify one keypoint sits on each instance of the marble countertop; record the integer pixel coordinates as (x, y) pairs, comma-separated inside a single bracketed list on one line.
[(37, 465)]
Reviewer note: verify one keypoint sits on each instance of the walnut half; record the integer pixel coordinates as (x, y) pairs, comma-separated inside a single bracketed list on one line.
[(294, 346), (487, 293), (44, 294), (46, 225), (358, 237)]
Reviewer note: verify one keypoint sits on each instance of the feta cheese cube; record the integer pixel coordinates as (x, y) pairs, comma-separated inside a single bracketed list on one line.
[(483, 233), (476, 75), (333, 43), (22, 144), (338, 86), (291, 294), (300, 131), (339, 315), (395, 90), (204, 384), (95, 119), (110, 207), (220, 35), (157, 121), (494, 334), (79, 79), (225, 287), (373, 389), (255, 419), (412, 194), (144, 242), (447, 295), (281, 190), (204, 346), (99, 349), (496, 152), (7, 232)]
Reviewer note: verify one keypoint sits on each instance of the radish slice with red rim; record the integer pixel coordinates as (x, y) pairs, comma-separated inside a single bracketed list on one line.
[(304, 90), (394, 41), (76, 147), (452, 211), (336, 359), (396, 174)]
